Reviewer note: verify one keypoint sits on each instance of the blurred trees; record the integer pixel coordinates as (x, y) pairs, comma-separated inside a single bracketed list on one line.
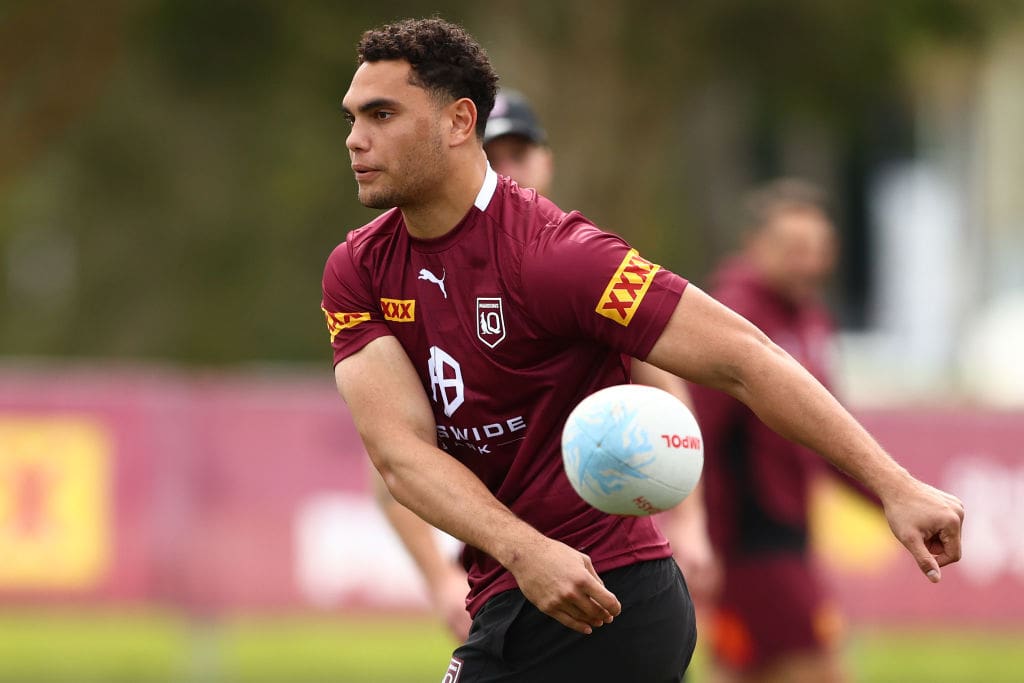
[(173, 172)]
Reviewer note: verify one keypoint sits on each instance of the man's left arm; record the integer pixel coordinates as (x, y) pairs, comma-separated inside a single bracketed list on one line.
[(707, 343)]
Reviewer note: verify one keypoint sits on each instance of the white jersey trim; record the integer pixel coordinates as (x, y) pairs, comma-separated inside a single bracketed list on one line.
[(483, 198)]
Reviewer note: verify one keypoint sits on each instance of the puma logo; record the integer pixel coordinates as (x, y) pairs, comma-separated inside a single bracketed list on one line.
[(430, 277)]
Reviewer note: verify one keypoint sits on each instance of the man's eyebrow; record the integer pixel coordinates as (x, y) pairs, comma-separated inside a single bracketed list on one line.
[(371, 105)]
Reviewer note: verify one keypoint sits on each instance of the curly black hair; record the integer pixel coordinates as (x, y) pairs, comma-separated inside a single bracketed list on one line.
[(445, 60)]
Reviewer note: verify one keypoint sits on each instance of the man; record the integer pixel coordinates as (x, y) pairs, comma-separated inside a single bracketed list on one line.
[(772, 620), (516, 146), (469, 319)]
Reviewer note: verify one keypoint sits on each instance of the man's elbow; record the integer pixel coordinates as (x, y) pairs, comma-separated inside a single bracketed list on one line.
[(391, 472), (381, 492), (753, 356)]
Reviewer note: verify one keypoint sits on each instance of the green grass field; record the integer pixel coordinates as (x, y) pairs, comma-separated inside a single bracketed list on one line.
[(167, 649)]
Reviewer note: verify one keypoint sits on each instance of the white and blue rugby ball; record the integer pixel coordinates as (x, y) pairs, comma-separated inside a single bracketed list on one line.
[(632, 449)]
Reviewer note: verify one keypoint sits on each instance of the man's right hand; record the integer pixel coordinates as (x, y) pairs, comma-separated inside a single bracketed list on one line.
[(563, 584)]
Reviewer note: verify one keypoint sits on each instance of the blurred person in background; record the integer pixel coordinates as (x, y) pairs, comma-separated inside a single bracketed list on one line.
[(517, 146), (558, 590), (773, 619)]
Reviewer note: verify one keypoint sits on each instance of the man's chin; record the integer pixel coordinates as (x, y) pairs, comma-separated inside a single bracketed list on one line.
[(376, 201)]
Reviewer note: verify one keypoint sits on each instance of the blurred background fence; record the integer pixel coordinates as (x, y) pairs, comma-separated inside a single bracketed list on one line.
[(173, 175)]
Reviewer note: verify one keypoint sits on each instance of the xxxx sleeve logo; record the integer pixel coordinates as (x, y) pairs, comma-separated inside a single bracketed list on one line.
[(627, 288), (398, 310), (336, 322)]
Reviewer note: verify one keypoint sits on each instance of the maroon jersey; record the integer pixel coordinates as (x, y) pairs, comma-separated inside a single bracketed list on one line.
[(756, 482), (510, 319)]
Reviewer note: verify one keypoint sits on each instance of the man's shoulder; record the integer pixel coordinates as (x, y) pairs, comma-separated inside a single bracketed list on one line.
[(381, 227), (522, 213), (361, 242), (543, 233)]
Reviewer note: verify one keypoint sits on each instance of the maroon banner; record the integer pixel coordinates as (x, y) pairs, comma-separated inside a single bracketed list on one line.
[(975, 454), (251, 492)]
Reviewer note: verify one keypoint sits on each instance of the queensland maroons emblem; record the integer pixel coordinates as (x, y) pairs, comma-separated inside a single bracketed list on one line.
[(490, 321)]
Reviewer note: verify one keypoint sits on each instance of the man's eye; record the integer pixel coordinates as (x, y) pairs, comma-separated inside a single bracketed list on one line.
[(383, 115), (350, 119)]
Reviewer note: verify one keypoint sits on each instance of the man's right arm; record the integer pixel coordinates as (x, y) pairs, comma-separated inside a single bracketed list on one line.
[(394, 419)]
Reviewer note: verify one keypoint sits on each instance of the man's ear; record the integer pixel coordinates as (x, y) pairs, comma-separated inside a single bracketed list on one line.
[(462, 120)]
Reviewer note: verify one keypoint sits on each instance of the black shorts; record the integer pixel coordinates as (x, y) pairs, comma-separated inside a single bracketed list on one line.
[(651, 641)]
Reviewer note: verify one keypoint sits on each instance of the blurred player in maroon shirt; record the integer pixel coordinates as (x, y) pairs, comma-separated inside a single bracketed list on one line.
[(467, 321), (772, 620)]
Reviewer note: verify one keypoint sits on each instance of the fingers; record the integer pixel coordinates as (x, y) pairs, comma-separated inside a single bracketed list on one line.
[(578, 616), (563, 584), (603, 603), (945, 546), (601, 596), (925, 560), (952, 503), (935, 549), (589, 607), (565, 619), (573, 617)]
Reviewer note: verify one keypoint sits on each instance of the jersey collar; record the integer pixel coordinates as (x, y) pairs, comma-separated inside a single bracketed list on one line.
[(483, 198)]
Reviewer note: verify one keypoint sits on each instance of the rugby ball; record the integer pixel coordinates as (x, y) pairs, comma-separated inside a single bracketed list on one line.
[(632, 449)]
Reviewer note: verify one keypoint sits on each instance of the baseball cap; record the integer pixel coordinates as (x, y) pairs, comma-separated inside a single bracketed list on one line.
[(512, 115)]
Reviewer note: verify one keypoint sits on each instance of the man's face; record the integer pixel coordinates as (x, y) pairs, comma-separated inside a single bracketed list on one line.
[(796, 252), (395, 143), (522, 160)]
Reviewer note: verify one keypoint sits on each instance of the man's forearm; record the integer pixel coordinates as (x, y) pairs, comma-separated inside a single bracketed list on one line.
[(445, 494), (707, 343), (792, 402), (395, 421)]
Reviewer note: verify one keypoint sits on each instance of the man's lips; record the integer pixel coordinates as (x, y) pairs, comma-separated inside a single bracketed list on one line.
[(364, 172)]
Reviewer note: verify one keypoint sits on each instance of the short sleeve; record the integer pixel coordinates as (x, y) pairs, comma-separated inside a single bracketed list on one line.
[(580, 281), (353, 321)]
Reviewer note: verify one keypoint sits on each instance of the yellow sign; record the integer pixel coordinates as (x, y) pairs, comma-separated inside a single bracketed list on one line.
[(55, 502), (850, 533)]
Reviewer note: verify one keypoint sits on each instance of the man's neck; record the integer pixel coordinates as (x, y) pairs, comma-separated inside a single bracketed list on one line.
[(449, 205)]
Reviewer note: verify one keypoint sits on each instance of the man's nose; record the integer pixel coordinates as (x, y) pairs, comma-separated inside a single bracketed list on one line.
[(356, 140)]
